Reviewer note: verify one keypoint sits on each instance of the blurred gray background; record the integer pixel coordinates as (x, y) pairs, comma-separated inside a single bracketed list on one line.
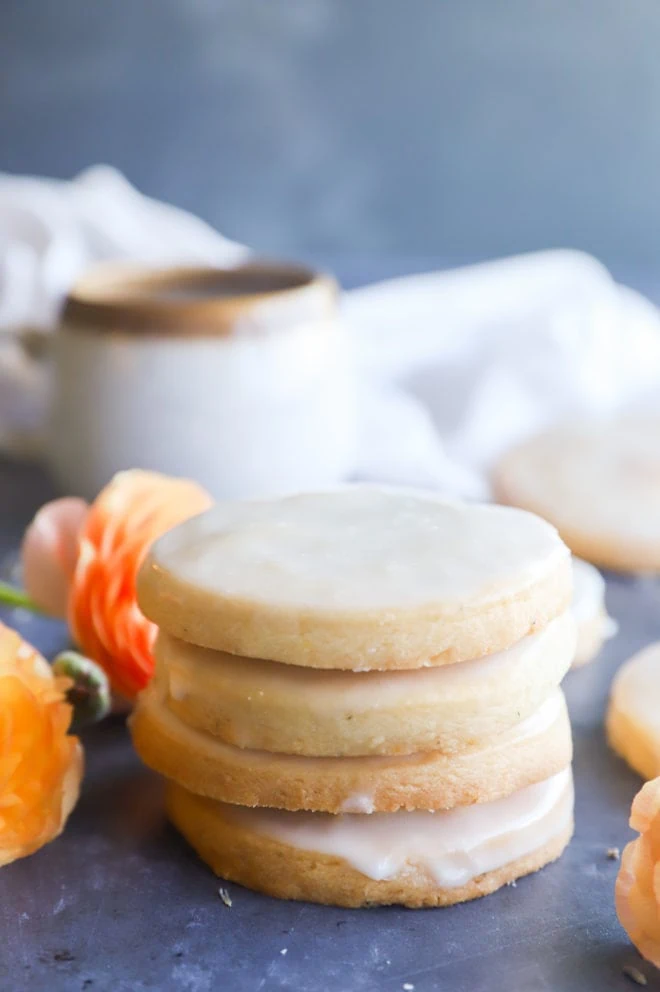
[(450, 129)]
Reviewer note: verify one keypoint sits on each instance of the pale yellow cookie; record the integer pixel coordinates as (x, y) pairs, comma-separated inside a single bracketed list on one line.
[(534, 749), (594, 626), (633, 716), (359, 578), (411, 858), (598, 483), (295, 710)]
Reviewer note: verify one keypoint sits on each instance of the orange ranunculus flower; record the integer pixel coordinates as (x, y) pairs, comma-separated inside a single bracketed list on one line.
[(40, 764), (637, 891), (80, 563), (125, 519)]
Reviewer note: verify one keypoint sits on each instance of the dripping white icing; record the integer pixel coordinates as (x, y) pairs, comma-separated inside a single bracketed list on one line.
[(452, 846)]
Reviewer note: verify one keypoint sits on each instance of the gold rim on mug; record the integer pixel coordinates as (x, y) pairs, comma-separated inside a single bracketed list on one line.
[(197, 301)]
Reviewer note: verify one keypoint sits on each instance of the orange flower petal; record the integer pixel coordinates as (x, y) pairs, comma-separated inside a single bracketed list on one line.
[(637, 890), (134, 510), (40, 764), (49, 553)]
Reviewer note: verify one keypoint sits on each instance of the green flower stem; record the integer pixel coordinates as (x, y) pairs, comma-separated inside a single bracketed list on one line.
[(11, 596)]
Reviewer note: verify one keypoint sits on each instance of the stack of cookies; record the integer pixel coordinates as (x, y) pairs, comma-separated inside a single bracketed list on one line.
[(356, 698)]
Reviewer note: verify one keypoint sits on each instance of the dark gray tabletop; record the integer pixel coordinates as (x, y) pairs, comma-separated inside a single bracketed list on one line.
[(120, 903)]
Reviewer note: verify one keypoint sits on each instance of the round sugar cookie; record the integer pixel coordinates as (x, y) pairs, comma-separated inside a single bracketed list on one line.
[(598, 483), (359, 578), (594, 625), (633, 715), (534, 749), (294, 710), (409, 858)]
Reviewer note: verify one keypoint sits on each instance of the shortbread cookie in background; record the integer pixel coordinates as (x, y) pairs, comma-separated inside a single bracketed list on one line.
[(360, 578), (598, 483), (594, 625), (534, 749), (295, 710), (410, 858), (633, 716)]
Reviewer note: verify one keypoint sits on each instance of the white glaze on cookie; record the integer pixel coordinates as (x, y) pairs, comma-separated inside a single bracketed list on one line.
[(452, 846), (248, 777), (594, 626), (362, 578), (290, 709), (359, 549), (264, 683)]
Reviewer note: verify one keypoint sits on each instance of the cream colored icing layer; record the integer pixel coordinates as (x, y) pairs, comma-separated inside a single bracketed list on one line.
[(588, 591), (244, 687), (452, 846), (589, 596), (532, 726), (358, 549), (594, 625)]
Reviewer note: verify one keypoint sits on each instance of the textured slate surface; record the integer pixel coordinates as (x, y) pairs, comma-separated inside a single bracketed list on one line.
[(120, 903)]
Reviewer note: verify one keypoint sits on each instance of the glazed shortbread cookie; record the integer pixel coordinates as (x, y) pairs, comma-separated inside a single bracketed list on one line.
[(594, 626), (356, 694), (598, 483), (534, 749), (633, 716), (274, 707), (411, 858), (361, 578)]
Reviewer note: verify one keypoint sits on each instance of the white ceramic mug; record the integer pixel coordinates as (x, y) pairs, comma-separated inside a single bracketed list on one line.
[(241, 379)]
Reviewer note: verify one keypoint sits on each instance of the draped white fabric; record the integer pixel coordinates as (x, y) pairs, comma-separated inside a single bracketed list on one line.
[(453, 365)]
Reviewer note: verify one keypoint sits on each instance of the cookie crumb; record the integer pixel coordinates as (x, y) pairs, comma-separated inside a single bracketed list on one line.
[(634, 974), (613, 853), (226, 898), (408, 987), (284, 950), (512, 884)]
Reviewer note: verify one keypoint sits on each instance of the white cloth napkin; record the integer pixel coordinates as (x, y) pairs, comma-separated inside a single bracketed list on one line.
[(454, 366)]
